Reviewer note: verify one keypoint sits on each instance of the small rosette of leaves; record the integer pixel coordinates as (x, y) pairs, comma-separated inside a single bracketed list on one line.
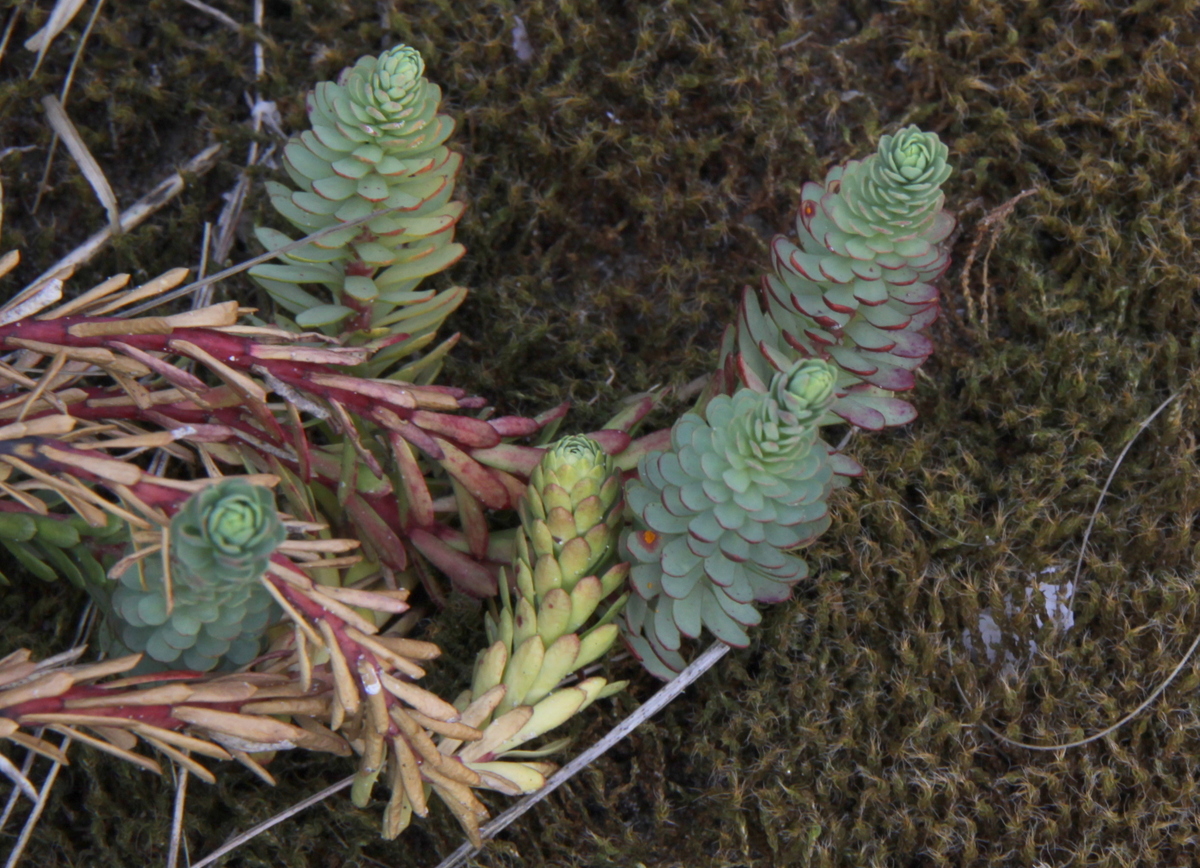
[(715, 517), (376, 143), (226, 533), (858, 289), (571, 513), (215, 611)]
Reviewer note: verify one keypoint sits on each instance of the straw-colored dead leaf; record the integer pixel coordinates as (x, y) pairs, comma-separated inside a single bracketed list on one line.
[(56, 116)]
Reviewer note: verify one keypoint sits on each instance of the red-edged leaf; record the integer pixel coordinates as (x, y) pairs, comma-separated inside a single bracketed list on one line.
[(474, 523), (611, 440), (514, 426), (857, 414), (417, 499), (633, 412), (892, 378), (656, 441), (375, 532), (173, 375), (466, 575), (747, 375), (463, 429), (844, 465), (473, 475), (410, 432), (516, 487), (511, 458), (552, 414)]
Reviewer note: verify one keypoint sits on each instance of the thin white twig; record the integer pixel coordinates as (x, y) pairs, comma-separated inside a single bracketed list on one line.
[(1087, 534), (177, 817), (260, 67), (15, 793), (248, 835), (668, 692), (1165, 683), (8, 29), (215, 13), (40, 805), (14, 774), (204, 297), (132, 216)]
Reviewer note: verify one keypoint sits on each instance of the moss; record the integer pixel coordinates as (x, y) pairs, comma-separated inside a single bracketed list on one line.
[(623, 186)]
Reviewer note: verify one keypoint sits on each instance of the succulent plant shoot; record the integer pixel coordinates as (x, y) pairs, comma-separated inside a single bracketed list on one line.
[(209, 609), (716, 516), (859, 288), (376, 143)]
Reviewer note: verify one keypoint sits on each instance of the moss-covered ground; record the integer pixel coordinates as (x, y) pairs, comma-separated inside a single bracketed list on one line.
[(623, 184)]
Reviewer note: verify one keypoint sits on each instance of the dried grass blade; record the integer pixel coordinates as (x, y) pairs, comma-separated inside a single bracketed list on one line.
[(109, 667), (183, 759), (38, 746), (108, 469), (382, 651), (93, 295), (317, 545), (239, 381), (61, 15), (299, 620), (413, 648), (345, 690), (187, 742), (130, 559), (18, 670), (45, 426), (450, 729), (56, 116), (155, 286), (9, 260), (46, 295), (55, 684), (410, 776), (167, 694), (249, 762), (100, 744), (54, 717), (68, 487), (231, 690), (44, 382), (146, 325), (120, 737), (322, 738), (377, 714), (417, 737), (311, 706), (261, 730), (219, 315), (329, 604), (419, 698)]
